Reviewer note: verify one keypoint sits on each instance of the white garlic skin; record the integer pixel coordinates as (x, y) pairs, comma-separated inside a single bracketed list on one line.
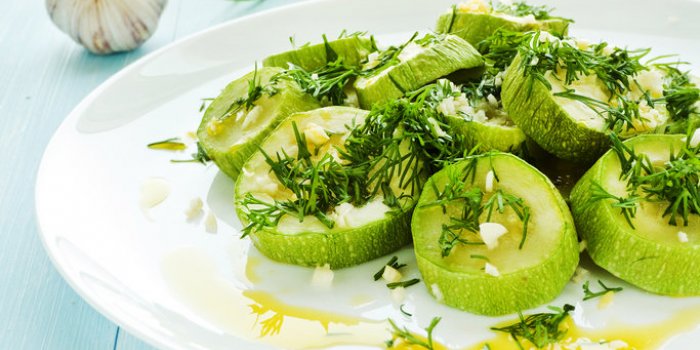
[(107, 26)]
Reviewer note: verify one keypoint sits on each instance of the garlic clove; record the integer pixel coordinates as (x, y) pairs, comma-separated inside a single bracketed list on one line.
[(107, 26)]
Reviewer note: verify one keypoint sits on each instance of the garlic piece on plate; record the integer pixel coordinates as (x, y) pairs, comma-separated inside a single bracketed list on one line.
[(106, 26)]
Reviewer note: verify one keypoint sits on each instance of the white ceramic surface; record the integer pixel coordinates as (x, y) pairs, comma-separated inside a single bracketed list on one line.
[(120, 257)]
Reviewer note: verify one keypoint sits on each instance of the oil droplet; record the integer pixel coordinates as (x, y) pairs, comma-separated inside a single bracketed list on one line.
[(260, 316)]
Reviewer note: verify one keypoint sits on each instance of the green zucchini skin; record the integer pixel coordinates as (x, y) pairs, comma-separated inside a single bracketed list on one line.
[(513, 291), (353, 50), (337, 247), (533, 108), (489, 136), (448, 55), (225, 147), (668, 268), (475, 27)]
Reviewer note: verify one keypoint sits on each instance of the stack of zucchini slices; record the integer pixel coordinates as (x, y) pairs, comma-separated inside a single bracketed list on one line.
[(344, 151)]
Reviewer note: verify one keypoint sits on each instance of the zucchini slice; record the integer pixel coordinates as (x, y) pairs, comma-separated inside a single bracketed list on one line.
[(475, 20), (519, 257), (244, 113), (648, 250), (351, 49), (396, 70), (343, 234), (571, 115)]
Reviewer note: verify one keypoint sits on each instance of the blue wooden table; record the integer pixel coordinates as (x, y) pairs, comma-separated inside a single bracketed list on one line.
[(43, 75)]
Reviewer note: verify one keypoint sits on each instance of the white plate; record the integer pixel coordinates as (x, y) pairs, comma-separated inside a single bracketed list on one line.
[(176, 286)]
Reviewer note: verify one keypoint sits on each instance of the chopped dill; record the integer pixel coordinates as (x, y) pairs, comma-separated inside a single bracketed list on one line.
[(521, 9), (402, 284), (539, 329), (200, 156), (256, 90), (473, 203), (393, 263), (675, 181), (404, 336), (589, 294), (327, 84)]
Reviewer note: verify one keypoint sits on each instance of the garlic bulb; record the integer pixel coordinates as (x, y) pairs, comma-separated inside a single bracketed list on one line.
[(107, 26)]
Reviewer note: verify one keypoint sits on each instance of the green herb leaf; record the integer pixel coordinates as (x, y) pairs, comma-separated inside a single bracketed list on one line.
[(405, 336), (539, 329), (200, 157), (393, 262), (588, 294), (404, 284)]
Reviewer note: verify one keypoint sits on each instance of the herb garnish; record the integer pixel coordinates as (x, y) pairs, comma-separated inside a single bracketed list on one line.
[(256, 89), (405, 336), (473, 205), (521, 9), (400, 140), (675, 181), (404, 311), (393, 263), (627, 205), (403, 284), (387, 58), (398, 145), (588, 294), (318, 186), (539, 329), (200, 157), (205, 101), (171, 144), (681, 95), (326, 84)]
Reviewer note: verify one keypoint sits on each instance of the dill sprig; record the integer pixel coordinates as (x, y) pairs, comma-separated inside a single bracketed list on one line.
[(347, 34), (402, 284), (521, 9), (200, 156), (256, 89), (430, 95), (675, 181), (318, 186), (327, 84), (399, 144), (205, 103), (387, 58), (500, 200), (680, 93), (400, 140), (393, 263), (474, 203), (405, 336), (619, 116), (539, 329), (589, 294), (614, 69), (500, 48), (627, 205)]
